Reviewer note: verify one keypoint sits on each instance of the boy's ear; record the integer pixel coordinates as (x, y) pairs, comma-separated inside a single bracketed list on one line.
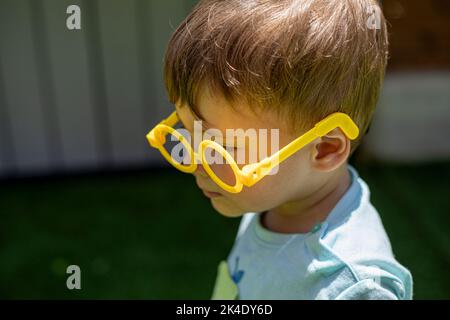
[(330, 151)]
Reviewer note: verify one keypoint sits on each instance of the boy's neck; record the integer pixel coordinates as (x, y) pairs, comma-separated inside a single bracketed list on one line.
[(300, 216)]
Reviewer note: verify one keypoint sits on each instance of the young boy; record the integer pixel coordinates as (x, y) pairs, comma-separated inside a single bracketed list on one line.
[(309, 231)]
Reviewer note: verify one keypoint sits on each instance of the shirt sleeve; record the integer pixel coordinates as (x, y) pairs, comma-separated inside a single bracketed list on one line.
[(366, 289)]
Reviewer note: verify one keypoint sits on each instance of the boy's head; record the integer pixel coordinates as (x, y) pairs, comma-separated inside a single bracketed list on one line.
[(283, 64)]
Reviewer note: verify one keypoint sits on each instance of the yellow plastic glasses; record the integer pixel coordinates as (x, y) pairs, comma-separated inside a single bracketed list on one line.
[(228, 175)]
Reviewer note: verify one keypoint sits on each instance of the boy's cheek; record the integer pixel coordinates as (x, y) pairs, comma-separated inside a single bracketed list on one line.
[(227, 207), (272, 190), (266, 194), (262, 196)]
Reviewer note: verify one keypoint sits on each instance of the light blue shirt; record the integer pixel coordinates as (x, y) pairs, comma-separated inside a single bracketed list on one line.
[(348, 256)]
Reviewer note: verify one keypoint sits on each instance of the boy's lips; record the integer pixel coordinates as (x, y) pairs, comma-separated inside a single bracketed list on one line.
[(211, 194), (208, 193)]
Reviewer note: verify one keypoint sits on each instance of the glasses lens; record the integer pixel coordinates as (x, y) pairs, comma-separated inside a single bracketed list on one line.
[(179, 151), (220, 167)]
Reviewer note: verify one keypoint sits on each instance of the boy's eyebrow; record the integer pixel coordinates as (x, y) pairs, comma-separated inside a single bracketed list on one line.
[(205, 124), (197, 117)]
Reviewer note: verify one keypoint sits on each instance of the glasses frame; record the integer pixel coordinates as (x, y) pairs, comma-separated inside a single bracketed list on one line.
[(250, 173)]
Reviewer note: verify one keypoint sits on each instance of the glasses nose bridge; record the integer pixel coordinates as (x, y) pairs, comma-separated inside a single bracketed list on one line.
[(198, 159)]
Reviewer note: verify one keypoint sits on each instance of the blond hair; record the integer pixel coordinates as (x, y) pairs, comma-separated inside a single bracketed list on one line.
[(303, 59)]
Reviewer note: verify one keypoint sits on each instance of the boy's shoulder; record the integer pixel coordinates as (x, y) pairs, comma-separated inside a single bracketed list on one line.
[(357, 238), (354, 229), (352, 239)]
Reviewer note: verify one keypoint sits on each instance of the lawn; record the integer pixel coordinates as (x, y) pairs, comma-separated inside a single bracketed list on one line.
[(151, 233)]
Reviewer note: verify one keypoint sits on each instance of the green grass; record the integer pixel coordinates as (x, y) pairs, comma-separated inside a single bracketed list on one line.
[(414, 204), (152, 234)]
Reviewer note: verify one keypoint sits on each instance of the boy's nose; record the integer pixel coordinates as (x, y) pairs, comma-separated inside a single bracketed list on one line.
[(200, 170)]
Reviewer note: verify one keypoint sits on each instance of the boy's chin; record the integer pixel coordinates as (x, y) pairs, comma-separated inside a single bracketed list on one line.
[(226, 208)]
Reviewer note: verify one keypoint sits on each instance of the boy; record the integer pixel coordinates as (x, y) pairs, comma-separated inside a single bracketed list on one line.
[(309, 230)]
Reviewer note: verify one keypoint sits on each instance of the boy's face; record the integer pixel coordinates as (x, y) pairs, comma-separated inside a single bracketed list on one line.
[(294, 176)]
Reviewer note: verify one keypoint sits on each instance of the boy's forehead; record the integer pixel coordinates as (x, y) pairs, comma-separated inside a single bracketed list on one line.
[(215, 112)]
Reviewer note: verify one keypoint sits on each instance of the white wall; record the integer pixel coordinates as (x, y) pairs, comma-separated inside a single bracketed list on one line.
[(84, 98), (412, 121)]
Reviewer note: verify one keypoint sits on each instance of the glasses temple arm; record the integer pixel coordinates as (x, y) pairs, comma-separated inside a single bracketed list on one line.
[(267, 164), (335, 120), (171, 120)]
